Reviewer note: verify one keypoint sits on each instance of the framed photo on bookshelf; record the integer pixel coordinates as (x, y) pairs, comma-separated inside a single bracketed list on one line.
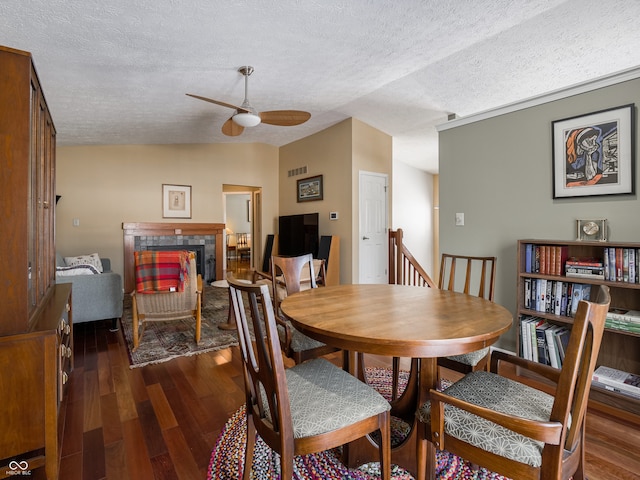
[(593, 154)]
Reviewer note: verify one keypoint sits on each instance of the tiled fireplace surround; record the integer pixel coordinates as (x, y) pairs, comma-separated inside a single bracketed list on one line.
[(207, 237)]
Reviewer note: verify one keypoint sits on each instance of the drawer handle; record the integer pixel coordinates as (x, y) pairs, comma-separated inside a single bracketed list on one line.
[(65, 378), (67, 307), (61, 325), (68, 352), (67, 328), (63, 350)]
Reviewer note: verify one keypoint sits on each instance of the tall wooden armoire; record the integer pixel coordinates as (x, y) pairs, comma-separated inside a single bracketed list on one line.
[(36, 336)]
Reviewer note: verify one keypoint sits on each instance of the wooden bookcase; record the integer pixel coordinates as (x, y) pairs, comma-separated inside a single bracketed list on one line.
[(36, 329), (620, 350)]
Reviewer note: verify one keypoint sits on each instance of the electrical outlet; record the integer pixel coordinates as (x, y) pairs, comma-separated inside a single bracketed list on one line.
[(459, 219)]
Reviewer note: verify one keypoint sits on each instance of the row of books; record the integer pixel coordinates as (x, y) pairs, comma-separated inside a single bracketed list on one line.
[(554, 296), (543, 342), (621, 264), (617, 264), (545, 259), (623, 320), (617, 381)]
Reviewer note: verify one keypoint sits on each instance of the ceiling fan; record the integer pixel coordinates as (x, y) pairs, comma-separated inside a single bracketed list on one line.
[(247, 116)]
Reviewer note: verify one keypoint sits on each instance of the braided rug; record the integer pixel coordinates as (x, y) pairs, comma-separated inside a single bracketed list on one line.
[(227, 457)]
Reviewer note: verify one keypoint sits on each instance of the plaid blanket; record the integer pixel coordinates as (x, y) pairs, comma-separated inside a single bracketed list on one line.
[(162, 271)]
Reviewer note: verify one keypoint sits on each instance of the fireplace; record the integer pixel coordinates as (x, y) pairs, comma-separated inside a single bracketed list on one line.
[(206, 239)]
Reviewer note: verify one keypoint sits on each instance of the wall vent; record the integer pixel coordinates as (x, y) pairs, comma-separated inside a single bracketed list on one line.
[(297, 171)]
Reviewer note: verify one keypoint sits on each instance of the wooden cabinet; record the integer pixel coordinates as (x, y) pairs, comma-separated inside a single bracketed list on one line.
[(35, 367), (620, 349), (36, 333), (27, 174)]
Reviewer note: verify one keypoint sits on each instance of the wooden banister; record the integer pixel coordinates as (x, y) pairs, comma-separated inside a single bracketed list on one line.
[(404, 269)]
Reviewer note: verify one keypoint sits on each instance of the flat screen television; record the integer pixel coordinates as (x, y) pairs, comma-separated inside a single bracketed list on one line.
[(298, 234)]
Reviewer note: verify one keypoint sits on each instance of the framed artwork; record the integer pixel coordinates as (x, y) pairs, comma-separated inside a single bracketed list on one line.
[(594, 154), (176, 201), (310, 189)]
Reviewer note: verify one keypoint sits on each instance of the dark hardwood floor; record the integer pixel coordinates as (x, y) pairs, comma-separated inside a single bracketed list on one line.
[(161, 421)]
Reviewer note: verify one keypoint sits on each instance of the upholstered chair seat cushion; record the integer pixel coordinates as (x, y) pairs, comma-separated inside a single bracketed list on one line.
[(324, 398), (471, 358), (300, 342), (503, 395)]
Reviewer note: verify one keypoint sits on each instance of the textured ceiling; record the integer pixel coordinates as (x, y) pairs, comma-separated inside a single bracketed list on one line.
[(116, 72)]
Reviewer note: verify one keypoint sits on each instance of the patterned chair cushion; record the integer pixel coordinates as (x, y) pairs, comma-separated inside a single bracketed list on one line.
[(300, 342), (503, 395), (471, 358), (324, 398)]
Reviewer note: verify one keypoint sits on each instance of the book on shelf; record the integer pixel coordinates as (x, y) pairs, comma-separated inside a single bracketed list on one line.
[(562, 342), (624, 314), (554, 355), (576, 296), (557, 298), (585, 271), (584, 262), (541, 342), (623, 326), (625, 381), (618, 390)]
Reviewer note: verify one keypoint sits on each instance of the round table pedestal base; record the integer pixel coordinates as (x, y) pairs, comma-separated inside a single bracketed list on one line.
[(230, 325)]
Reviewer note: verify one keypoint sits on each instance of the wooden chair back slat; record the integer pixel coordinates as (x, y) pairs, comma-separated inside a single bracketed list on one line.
[(480, 274)]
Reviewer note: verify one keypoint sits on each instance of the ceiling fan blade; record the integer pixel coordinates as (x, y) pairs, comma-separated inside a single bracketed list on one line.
[(218, 102), (285, 118), (231, 128)]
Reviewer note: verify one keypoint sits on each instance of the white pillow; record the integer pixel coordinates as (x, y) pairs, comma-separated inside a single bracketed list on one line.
[(93, 259), (84, 269)]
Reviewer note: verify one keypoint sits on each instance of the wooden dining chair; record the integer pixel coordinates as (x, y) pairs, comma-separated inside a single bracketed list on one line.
[(291, 275), (243, 247), (477, 276), (511, 428), (308, 408)]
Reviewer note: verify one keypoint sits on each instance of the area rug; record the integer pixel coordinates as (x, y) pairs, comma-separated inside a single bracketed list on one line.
[(227, 457), (163, 341)]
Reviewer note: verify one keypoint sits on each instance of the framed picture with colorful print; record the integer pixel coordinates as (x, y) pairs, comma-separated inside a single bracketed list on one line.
[(594, 154)]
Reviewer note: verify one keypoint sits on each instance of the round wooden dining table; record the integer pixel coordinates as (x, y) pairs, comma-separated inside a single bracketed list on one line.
[(398, 321)]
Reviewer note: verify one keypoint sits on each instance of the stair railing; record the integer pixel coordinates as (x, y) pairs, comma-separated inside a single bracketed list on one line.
[(404, 269)]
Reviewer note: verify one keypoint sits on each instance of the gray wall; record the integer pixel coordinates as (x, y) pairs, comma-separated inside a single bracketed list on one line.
[(498, 172)]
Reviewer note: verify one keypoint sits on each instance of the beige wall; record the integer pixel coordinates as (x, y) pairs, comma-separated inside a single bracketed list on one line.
[(104, 186), (498, 172), (337, 153)]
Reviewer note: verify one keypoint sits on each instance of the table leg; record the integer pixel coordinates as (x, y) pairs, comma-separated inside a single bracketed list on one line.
[(425, 450), (422, 377)]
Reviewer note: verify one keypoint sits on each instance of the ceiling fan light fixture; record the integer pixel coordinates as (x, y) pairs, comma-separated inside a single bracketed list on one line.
[(247, 119)]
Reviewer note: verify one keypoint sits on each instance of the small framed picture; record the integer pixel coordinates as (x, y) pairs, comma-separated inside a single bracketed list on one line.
[(176, 201), (310, 189)]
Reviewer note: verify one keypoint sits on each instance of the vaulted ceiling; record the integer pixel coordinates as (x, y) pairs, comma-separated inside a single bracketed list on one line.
[(117, 72)]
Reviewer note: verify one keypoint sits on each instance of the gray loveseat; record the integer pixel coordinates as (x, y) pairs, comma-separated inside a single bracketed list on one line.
[(94, 296)]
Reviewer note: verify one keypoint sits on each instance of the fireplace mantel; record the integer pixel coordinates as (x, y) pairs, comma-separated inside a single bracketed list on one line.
[(132, 230)]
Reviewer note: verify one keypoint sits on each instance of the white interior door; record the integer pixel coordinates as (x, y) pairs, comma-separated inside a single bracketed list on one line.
[(373, 249)]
